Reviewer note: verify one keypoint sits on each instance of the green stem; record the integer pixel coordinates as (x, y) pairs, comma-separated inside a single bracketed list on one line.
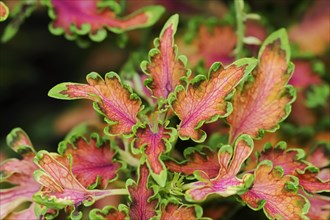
[(100, 194), (239, 7)]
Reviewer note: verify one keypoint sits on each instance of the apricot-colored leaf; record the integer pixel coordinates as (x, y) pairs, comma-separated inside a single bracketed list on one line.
[(115, 101), (92, 161), (310, 181), (107, 213), (226, 183), (61, 188), (291, 160), (311, 33), (275, 193), (292, 163), (165, 67), (204, 99), (4, 11), (19, 173), (179, 212), (93, 17), (198, 158), (320, 208), (264, 101), (142, 206), (154, 142), (319, 156), (211, 45)]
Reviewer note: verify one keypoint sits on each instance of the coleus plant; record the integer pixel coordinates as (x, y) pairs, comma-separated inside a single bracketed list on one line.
[(135, 156)]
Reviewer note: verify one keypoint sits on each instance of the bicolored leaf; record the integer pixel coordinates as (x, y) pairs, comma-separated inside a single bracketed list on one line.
[(320, 208), (94, 16), (25, 214), (264, 101), (275, 193), (92, 161), (4, 11), (310, 181), (61, 188), (203, 101), (226, 183), (142, 204), (178, 212), (115, 101), (291, 160), (200, 158), (210, 45), (292, 163), (19, 173), (165, 68), (319, 155), (107, 213), (153, 142)]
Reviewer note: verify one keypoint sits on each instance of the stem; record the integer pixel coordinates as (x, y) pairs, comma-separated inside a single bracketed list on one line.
[(239, 7), (100, 194)]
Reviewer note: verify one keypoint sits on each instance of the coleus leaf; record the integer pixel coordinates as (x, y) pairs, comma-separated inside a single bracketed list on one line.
[(198, 158), (92, 161), (18, 173), (320, 208), (165, 67), (153, 142), (275, 193), (203, 101), (111, 98), (93, 17), (25, 214), (61, 188), (107, 213), (171, 210), (143, 203), (264, 101), (4, 11), (292, 163), (226, 183)]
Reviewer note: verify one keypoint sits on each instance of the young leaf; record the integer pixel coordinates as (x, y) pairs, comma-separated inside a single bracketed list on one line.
[(275, 193), (202, 158), (154, 142), (108, 213), (92, 161), (226, 183), (18, 173), (142, 205), (82, 17), (264, 102), (204, 99), (115, 101), (165, 67)]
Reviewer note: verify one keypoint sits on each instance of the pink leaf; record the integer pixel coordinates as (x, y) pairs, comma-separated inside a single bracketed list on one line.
[(154, 142), (142, 206), (61, 188), (111, 98), (165, 67), (93, 16), (292, 164), (179, 212), (226, 183), (204, 99), (275, 193), (264, 101), (204, 159), (92, 161), (18, 173), (320, 208)]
